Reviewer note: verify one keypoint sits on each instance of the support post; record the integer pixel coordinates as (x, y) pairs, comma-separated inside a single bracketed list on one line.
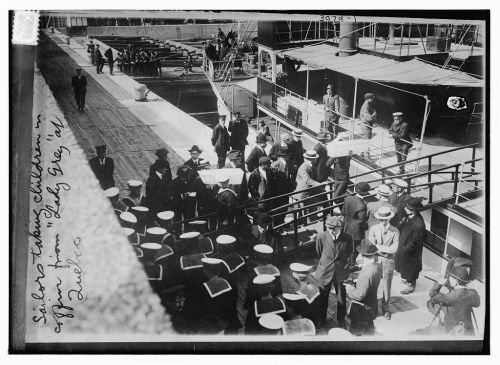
[(424, 122), (409, 38), (429, 179), (307, 96), (354, 107)]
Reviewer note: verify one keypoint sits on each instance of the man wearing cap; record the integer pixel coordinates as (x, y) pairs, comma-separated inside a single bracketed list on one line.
[(386, 238), (363, 295), (159, 195), (135, 196), (334, 248), (458, 303), (239, 133), (331, 105), (260, 183), (354, 211), (398, 199), (402, 139), (262, 261), (283, 184), (99, 59), (266, 304), (383, 193), (79, 83), (296, 150), (220, 141), (195, 162), (341, 166), (218, 295), (368, 115), (227, 199), (113, 195), (408, 258), (308, 289), (258, 152), (103, 167), (262, 233)]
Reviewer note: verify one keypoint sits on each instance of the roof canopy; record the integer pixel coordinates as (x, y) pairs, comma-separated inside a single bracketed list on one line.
[(369, 67)]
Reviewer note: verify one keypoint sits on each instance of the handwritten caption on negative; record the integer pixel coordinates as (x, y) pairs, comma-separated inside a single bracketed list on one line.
[(55, 283)]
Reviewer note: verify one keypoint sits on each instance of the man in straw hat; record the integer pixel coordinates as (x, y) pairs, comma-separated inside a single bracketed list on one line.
[(408, 258), (296, 150), (334, 248), (386, 238), (383, 193), (331, 105), (363, 308), (354, 211), (402, 139), (458, 303)]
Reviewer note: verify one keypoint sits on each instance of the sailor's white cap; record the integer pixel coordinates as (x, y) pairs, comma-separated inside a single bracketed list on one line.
[(399, 182), (297, 132), (211, 260), (263, 249), (293, 296), (340, 334), (300, 268), (165, 215), (111, 192), (159, 231), (139, 208), (128, 217), (225, 239), (222, 179), (128, 231), (134, 183), (189, 235), (263, 279), (271, 321), (151, 246), (397, 114)]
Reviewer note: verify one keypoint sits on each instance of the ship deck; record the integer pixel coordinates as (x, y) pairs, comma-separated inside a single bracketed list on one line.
[(134, 130)]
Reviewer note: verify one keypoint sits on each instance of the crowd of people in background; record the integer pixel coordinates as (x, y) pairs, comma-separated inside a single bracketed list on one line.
[(196, 239)]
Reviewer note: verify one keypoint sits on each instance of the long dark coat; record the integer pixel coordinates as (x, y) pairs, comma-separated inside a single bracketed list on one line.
[(354, 211), (408, 259)]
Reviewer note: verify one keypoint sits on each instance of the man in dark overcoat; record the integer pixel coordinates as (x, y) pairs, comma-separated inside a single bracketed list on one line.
[(333, 248), (79, 83), (239, 133), (103, 167), (354, 211), (220, 141), (408, 258)]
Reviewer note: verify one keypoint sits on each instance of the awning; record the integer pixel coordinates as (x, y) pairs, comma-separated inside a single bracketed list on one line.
[(369, 67)]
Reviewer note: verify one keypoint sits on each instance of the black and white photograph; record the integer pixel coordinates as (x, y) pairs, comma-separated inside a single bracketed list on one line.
[(249, 181)]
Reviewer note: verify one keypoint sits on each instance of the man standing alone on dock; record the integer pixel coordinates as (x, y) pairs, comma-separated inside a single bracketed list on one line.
[(220, 141), (239, 134), (79, 83)]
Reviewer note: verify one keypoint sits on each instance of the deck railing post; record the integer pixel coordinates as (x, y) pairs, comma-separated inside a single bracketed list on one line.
[(429, 178), (295, 230), (455, 182), (473, 165)]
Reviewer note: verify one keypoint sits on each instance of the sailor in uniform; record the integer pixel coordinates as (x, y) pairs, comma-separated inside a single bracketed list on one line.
[(132, 236), (296, 324), (226, 251), (263, 255), (271, 324), (267, 304), (165, 220), (135, 196), (218, 295), (227, 199), (141, 214), (128, 220), (308, 289), (113, 195)]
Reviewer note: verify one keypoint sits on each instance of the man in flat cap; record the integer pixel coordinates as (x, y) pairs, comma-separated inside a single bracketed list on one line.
[(408, 258), (363, 308), (239, 133), (262, 233), (260, 182), (398, 199), (79, 83), (331, 105), (103, 167), (220, 141), (354, 211), (258, 151), (402, 139), (334, 248), (368, 116)]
